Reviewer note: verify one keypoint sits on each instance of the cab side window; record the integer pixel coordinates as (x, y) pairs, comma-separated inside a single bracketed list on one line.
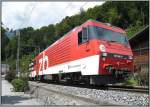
[(80, 37), (83, 36)]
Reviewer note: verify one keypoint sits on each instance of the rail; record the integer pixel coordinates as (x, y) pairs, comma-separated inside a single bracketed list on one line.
[(135, 89)]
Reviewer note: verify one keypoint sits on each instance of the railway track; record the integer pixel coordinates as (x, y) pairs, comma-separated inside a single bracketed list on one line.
[(76, 97), (129, 88), (135, 89), (97, 95)]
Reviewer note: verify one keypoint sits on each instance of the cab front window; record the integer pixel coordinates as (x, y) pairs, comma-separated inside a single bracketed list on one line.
[(108, 35)]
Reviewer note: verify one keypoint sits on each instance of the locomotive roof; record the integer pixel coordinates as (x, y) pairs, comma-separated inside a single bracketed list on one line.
[(107, 25), (84, 24)]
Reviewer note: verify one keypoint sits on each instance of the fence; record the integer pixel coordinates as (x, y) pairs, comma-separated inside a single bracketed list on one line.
[(141, 59), (141, 63)]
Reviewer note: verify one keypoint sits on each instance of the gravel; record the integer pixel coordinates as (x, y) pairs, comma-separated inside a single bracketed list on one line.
[(115, 97), (51, 98)]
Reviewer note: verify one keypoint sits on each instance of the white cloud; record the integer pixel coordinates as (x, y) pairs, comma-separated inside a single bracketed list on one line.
[(43, 14)]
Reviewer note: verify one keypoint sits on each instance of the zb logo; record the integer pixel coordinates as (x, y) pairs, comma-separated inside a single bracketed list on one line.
[(43, 63)]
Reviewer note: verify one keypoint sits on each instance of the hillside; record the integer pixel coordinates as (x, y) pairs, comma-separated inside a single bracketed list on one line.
[(129, 15)]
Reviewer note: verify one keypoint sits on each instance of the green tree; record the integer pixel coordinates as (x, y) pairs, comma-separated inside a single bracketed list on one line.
[(4, 42), (24, 63), (129, 15)]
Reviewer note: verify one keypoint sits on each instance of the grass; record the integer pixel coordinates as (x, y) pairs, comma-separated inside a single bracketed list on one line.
[(131, 80)]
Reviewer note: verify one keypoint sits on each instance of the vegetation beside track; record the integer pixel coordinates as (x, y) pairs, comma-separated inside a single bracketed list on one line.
[(129, 15), (131, 80), (139, 79), (10, 75), (20, 84)]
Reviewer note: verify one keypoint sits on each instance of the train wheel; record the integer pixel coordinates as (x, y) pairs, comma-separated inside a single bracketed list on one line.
[(55, 78), (87, 81), (42, 78)]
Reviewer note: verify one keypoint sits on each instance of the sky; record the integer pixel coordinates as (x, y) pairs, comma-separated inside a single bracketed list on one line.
[(16, 15)]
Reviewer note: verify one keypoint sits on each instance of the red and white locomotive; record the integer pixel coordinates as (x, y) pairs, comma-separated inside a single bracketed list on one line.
[(94, 53)]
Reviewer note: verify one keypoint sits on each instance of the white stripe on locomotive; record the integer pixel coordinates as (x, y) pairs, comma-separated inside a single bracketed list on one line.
[(87, 66)]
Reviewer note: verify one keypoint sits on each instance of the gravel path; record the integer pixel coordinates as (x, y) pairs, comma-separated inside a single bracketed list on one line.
[(108, 96), (16, 98)]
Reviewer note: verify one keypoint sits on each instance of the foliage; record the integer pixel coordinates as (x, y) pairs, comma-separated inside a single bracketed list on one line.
[(133, 29), (138, 79), (12, 63), (142, 77), (11, 48), (10, 75), (129, 15), (131, 81), (4, 42), (24, 63), (20, 84)]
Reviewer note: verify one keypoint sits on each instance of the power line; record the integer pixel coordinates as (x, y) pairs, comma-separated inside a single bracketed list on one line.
[(84, 4), (81, 8), (30, 14), (68, 7), (62, 12)]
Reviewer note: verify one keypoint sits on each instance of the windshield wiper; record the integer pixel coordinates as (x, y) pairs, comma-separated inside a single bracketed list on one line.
[(112, 41)]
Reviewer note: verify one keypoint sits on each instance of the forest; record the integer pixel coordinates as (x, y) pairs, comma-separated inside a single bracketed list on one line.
[(129, 15)]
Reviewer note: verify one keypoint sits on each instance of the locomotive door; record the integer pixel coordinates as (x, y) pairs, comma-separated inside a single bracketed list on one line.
[(83, 42), (89, 61), (83, 48)]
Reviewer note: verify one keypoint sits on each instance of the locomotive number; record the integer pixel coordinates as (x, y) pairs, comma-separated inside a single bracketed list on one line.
[(42, 63)]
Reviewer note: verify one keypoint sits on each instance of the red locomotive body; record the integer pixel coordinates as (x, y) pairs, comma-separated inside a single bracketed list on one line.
[(93, 52)]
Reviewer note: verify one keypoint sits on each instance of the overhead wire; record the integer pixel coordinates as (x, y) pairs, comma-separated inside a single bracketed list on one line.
[(66, 8), (62, 12), (26, 21), (82, 6)]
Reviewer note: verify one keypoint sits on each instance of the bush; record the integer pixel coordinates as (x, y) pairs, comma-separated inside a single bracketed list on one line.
[(20, 84), (131, 80), (143, 78), (10, 75)]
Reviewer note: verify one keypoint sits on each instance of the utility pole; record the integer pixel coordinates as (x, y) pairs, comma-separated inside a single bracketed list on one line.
[(18, 50)]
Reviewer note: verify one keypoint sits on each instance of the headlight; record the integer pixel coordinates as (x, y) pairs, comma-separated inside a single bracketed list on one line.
[(130, 57), (104, 54), (102, 48)]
